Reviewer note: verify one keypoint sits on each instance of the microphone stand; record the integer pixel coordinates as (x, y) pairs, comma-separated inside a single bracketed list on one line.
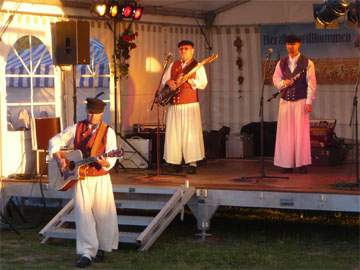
[(261, 115), (354, 116), (355, 112), (165, 67)]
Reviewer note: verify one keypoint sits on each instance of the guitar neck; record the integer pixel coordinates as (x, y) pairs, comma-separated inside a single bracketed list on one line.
[(89, 160), (190, 73), (194, 69)]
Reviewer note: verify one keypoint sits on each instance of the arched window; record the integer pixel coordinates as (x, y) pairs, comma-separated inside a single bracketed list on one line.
[(29, 77), (93, 79)]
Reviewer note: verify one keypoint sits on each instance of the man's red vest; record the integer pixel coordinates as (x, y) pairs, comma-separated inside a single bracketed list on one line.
[(187, 94), (84, 140)]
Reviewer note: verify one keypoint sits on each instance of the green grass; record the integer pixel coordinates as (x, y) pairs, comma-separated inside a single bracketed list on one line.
[(242, 239)]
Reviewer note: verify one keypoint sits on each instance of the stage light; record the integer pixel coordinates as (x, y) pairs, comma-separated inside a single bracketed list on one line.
[(113, 9), (138, 13), (118, 9), (100, 9), (353, 15), (127, 11), (325, 14)]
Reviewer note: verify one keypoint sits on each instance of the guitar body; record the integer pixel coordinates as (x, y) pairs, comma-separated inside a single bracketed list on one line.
[(65, 181), (165, 95)]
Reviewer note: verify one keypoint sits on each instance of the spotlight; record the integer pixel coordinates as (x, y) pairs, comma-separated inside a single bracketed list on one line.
[(117, 9), (127, 11), (113, 9), (325, 14), (100, 9), (137, 13), (353, 15)]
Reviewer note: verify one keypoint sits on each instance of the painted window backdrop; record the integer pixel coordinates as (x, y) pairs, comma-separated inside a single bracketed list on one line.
[(93, 79), (29, 77)]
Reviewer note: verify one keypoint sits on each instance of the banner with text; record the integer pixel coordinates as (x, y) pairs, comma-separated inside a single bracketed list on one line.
[(335, 52)]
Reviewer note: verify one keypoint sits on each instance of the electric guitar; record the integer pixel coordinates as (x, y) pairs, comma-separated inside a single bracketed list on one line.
[(164, 96), (62, 181)]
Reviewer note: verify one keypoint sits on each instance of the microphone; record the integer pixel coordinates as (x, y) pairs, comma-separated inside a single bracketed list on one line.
[(168, 56), (269, 51)]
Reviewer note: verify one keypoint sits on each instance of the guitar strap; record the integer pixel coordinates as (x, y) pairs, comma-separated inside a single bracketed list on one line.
[(99, 136)]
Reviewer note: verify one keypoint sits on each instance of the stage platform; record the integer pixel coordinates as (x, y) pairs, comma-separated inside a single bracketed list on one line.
[(227, 174), (221, 181)]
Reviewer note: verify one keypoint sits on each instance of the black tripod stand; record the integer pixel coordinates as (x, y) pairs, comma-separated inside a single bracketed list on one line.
[(261, 115), (354, 115), (4, 220)]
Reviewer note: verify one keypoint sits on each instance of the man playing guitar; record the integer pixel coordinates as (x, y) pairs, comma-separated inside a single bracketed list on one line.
[(183, 136), (95, 211)]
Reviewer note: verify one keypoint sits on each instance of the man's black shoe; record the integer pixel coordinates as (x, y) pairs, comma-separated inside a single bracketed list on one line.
[(287, 170), (174, 168), (191, 170), (100, 256), (83, 262), (303, 170)]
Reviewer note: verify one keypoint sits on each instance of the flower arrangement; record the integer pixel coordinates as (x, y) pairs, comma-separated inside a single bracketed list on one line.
[(238, 43), (125, 43)]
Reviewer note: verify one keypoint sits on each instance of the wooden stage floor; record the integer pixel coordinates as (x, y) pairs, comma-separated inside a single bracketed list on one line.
[(226, 174)]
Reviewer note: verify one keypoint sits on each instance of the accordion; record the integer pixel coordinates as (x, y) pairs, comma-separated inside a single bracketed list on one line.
[(322, 132)]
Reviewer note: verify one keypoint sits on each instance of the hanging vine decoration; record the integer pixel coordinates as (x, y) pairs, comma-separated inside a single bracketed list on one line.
[(239, 62), (124, 44)]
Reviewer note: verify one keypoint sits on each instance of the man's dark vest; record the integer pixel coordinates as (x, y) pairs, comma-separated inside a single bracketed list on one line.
[(187, 94), (299, 89), (84, 139)]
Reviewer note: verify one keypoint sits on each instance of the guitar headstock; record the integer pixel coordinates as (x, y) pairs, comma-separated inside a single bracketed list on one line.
[(211, 58), (115, 153)]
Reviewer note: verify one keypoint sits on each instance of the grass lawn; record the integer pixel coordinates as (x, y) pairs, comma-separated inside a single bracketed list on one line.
[(241, 239)]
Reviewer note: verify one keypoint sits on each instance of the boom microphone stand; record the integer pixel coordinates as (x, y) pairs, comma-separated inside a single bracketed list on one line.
[(261, 115), (355, 125), (354, 114), (166, 66)]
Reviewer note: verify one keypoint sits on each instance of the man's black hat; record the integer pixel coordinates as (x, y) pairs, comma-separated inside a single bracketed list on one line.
[(185, 43), (95, 105), (292, 39)]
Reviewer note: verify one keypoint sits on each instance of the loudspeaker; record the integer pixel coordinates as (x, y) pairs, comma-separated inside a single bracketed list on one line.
[(71, 43)]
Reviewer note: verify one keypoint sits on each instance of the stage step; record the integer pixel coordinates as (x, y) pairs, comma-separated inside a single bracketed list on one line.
[(140, 204), (171, 209), (167, 202), (124, 220), (65, 233)]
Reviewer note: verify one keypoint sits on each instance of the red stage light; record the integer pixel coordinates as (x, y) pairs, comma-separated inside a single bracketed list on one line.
[(137, 13), (127, 11)]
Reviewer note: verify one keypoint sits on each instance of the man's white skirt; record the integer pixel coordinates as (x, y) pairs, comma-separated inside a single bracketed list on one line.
[(95, 215), (184, 135), (293, 147)]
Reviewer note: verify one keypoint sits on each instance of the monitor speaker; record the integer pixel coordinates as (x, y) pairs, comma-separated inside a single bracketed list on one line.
[(71, 43)]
